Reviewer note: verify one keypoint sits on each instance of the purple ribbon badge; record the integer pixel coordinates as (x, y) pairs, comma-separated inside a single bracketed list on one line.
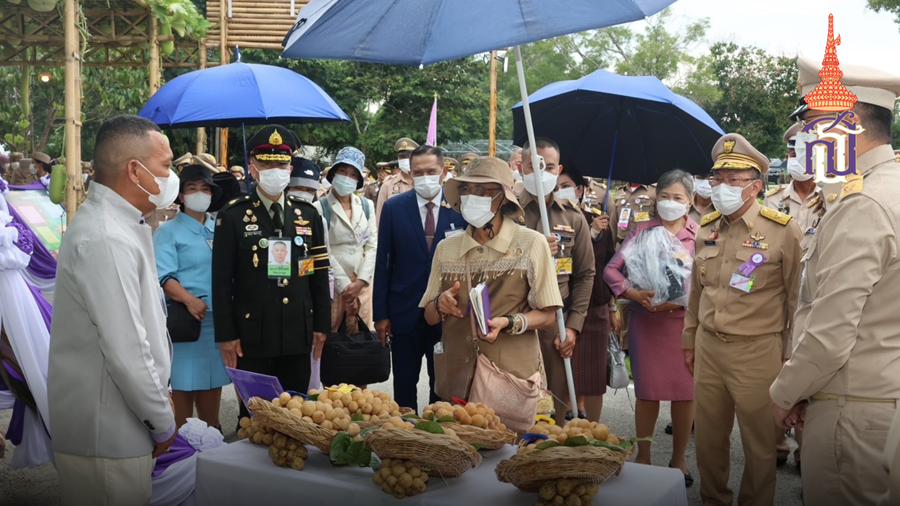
[(749, 266)]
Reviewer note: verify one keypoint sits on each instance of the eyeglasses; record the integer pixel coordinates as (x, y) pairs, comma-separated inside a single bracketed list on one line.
[(479, 191), (732, 181)]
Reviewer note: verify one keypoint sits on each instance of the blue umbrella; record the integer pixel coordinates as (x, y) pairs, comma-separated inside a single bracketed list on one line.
[(420, 32), (637, 123), (240, 94)]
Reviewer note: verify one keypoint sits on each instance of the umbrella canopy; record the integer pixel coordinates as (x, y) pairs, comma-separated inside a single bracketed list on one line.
[(414, 32), (240, 94), (636, 124)]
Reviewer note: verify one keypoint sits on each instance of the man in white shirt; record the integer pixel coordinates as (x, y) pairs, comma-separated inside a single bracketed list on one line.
[(110, 354)]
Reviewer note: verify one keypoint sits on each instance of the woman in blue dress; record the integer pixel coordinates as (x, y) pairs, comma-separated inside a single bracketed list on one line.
[(183, 249)]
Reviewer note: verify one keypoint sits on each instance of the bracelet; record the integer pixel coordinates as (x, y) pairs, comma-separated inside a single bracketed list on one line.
[(435, 302), (512, 323), (519, 324), (614, 309), (524, 323)]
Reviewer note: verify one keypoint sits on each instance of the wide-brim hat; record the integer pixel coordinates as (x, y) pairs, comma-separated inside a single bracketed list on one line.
[(198, 173), (486, 169), (352, 157), (41, 157), (305, 173)]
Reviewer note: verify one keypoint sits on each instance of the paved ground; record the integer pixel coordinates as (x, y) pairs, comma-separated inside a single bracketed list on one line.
[(38, 487)]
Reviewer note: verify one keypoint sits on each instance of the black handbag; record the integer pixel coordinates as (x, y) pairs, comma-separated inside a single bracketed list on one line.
[(183, 327), (357, 359)]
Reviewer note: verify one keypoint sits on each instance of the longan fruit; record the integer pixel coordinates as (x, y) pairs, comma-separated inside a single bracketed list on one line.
[(258, 438), (245, 422), (397, 421), (345, 399), (330, 413), (377, 479), (345, 424), (562, 437), (297, 412), (318, 417), (414, 471), (388, 425), (386, 488), (367, 408), (405, 480), (308, 408), (613, 440), (471, 409), (284, 397), (353, 406), (321, 406), (400, 493), (558, 500), (313, 392), (352, 429), (466, 419), (338, 404), (308, 419), (418, 484), (478, 420), (391, 480), (573, 500), (268, 439), (398, 468), (276, 402), (481, 411), (326, 424), (385, 471), (600, 433)]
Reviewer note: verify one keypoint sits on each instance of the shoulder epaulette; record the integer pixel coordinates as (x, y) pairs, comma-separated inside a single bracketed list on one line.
[(780, 218), (853, 185), (236, 201), (709, 218), (774, 191), (295, 198)]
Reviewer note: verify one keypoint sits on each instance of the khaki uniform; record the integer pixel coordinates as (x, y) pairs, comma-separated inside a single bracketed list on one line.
[(891, 460), (517, 268), (807, 212), (846, 355), (392, 186), (575, 271), (370, 191), (160, 216), (740, 340), (697, 213)]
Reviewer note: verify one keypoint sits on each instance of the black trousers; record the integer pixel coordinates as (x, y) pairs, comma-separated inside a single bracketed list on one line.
[(407, 351), (291, 370)]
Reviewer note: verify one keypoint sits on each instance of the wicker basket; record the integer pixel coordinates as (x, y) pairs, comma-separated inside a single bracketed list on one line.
[(584, 464), (491, 439), (442, 455), (291, 425)]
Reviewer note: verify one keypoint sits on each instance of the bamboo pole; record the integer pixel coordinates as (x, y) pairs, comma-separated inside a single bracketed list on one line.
[(154, 54), (72, 110), (201, 132), (224, 58), (492, 114)]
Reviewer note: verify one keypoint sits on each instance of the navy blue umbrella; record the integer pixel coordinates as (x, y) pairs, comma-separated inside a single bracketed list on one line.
[(619, 127), (240, 94)]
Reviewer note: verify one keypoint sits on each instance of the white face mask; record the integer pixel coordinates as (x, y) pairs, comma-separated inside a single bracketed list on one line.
[(325, 184), (669, 210), (168, 189), (567, 194), (403, 164), (344, 185), (14, 165), (727, 199), (702, 187), (477, 210), (797, 170), (84, 178), (273, 181), (197, 201), (427, 186), (547, 178), (303, 195), (32, 169), (517, 176)]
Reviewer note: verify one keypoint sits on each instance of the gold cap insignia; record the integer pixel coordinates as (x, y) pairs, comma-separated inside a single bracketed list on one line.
[(729, 146), (404, 146), (275, 139)]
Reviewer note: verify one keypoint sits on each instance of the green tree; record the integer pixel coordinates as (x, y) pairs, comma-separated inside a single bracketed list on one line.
[(891, 6)]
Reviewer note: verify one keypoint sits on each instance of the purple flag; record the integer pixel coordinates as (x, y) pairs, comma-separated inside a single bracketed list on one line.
[(431, 138)]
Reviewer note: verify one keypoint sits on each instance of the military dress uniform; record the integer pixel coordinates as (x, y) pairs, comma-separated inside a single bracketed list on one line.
[(846, 357), (744, 285), (575, 271), (398, 182), (273, 317)]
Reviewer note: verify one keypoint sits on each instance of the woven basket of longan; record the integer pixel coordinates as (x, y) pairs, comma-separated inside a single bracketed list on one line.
[(583, 464), (473, 423), (289, 424), (439, 454)]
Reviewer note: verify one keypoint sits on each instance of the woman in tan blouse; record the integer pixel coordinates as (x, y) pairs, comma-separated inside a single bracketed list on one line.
[(512, 260)]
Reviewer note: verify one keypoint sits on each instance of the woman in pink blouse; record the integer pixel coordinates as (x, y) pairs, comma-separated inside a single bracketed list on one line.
[(654, 335)]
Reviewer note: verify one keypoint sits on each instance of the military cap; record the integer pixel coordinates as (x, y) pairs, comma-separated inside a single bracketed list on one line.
[(237, 171), (870, 86), (405, 144), (450, 163), (86, 166), (733, 151), (41, 157), (184, 159), (304, 173), (274, 143), (205, 159), (791, 134), (467, 158), (15, 156), (382, 165), (394, 164)]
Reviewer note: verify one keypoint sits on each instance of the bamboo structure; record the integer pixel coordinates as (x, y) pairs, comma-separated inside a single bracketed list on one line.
[(153, 67), (72, 110), (492, 114), (201, 132), (252, 24)]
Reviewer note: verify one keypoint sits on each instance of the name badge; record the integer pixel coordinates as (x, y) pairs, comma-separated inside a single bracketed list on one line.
[(564, 265), (450, 233), (624, 217), (811, 231), (742, 283), (642, 216), (305, 267), (279, 262)]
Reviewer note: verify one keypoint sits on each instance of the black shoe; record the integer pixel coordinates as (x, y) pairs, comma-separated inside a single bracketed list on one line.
[(780, 461), (569, 416), (669, 429), (582, 415), (688, 479)]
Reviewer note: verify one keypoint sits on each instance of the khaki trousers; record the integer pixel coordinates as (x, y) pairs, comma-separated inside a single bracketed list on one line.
[(95, 481), (845, 441), (734, 377), (556, 374)]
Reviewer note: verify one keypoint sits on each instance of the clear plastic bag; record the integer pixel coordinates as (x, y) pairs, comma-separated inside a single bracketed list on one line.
[(656, 260)]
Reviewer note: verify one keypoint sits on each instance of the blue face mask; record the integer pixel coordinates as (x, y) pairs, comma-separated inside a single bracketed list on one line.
[(344, 185)]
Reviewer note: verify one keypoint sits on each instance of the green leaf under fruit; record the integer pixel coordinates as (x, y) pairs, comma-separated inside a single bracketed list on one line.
[(412, 416), (314, 397), (547, 444), (346, 451), (357, 418), (577, 441), (446, 419), (479, 446), (430, 426)]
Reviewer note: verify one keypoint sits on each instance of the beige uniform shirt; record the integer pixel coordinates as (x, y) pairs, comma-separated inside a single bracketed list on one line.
[(370, 191), (518, 271), (806, 213), (631, 206), (575, 269), (850, 344), (392, 186), (697, 212), (722, 248)]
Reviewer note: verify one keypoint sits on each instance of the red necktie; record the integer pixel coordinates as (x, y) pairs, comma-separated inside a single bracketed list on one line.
[(429, 224)]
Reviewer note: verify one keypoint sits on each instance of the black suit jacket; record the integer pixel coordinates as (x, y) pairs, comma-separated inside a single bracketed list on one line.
[(271, 317)]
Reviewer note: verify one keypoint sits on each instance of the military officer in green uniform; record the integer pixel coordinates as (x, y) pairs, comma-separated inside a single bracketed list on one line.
[(272, 306)]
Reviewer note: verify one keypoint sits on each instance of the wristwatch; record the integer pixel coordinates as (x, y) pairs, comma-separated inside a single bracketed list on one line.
[(614, 309)]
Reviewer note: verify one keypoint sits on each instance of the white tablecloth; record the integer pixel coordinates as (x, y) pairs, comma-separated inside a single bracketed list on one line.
[(242, 473)]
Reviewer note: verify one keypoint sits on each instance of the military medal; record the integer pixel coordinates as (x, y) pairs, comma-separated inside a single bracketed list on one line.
[(298, 240), (251, 228), (831, 197), (298, 212), (757, 236), (303, 230), (246, 219), (255, 204), (755, 245), (255, 260), (263, 243), (253, 219)]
